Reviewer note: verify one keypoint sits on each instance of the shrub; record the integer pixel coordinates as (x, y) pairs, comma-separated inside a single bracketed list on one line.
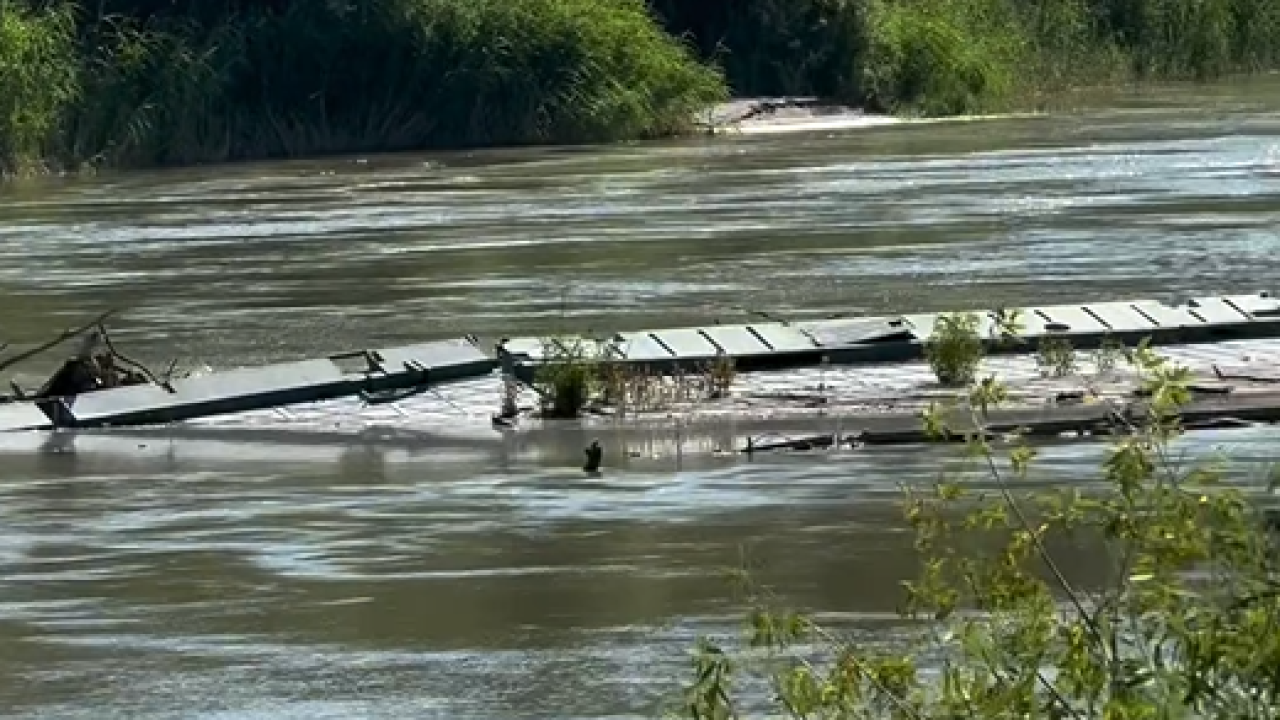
[(942, 57), (288, 79), (1056, 357), (1108, 353), (1185, 627), (720, 374), (775, 47), (39, 81), (566, 380), (954, 349)]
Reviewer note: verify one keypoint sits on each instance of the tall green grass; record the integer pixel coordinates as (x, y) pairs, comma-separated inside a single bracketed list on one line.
[(39, 82), (942, 57), (157, 82), (161, 85), (318, 78), (774, 47)]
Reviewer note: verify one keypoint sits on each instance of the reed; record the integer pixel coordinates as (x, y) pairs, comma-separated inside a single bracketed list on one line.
[(944, 57), (154, 82), (166, 86), (39, 81), (774, 47)]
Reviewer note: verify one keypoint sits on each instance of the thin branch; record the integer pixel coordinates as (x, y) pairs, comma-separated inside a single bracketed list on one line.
[(843, 649), (1055, 694), (66, 335), (1003, 484), (106, 339)]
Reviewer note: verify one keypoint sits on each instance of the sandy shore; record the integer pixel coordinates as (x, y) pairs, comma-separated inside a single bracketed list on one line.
[(763, 116)]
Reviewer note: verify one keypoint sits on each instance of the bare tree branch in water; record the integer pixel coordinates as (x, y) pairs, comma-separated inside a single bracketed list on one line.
[(146, 371), (6, 363)]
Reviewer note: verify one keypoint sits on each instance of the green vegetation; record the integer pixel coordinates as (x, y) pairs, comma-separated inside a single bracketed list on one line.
[(144, 82), (154, 82), (565, 384), (954, 348), (1184, 626), (1056, 357), (580, 375), (39, 82), (1108, 354), (943, 57)]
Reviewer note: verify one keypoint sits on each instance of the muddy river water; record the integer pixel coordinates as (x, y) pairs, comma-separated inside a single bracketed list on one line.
[(168, 575)]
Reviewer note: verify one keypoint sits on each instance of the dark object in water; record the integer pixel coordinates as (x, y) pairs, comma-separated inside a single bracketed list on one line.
[(111, 374), (386, 397), (595, 454), (77, 375)]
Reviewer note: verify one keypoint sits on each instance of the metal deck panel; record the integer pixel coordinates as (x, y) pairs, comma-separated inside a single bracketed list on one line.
[(922, 324), (537, 350), (687, 343), (1255, 304), (217, 393), (641, 346), (525, 346), (1073, 316), (1121, 317), (785, 339), (736, 340), (831, 333), (1214, 310), (455, 358), (1167, 316), (20, 415)]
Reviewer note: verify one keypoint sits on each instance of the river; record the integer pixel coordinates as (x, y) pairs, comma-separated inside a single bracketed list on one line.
[(171, 575)]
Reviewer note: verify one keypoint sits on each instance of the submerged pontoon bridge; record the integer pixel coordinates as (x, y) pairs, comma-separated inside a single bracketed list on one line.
[(756, 346)]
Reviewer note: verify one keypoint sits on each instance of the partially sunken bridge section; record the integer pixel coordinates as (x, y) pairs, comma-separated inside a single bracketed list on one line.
[(778, 345), (363, 372), (396, 373)]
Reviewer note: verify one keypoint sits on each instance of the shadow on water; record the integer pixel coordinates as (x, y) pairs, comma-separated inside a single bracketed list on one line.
[(224, 572)]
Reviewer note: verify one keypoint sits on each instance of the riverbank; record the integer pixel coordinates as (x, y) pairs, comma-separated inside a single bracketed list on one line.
[(125, 84), (779, 116)]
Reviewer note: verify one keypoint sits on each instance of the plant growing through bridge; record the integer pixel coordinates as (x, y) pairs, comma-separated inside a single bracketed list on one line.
[(720, 374), (1184, 626), (565, 383), (580, 373), (954, 348), (1109, 352), (1056, 357)]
